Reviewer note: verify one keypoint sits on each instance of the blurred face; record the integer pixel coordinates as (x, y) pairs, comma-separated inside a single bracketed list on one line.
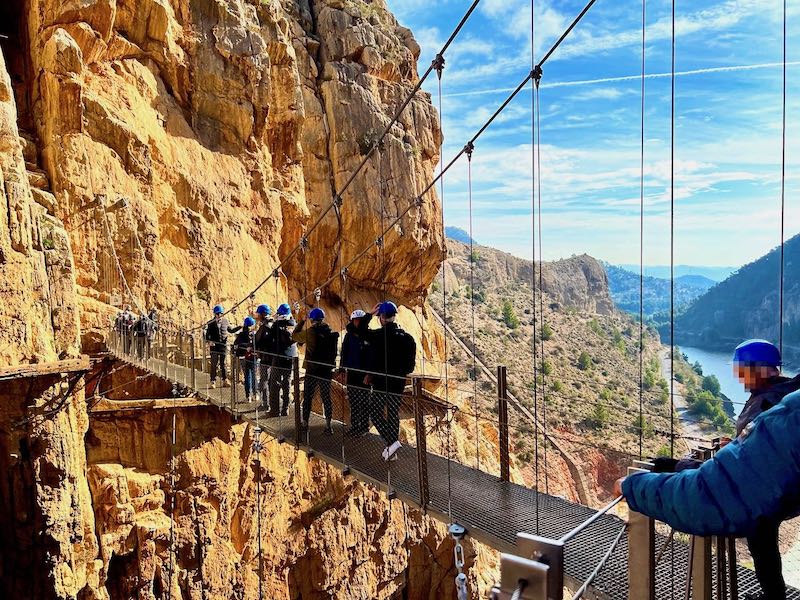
[(753, 376), (357, 321)]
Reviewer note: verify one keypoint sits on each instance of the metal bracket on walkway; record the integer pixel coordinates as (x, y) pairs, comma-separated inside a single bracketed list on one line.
[(548, 552), (520, 579)]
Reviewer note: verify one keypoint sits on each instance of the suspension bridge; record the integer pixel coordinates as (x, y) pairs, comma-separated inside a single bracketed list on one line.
[(586, 549)]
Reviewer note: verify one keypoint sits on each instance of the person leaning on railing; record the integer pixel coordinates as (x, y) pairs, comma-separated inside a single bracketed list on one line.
[(752, 482)]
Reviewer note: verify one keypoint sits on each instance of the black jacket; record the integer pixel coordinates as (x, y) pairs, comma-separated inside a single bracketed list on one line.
[(243, 344), (765, 398), (217, 333), (262, 339), (391, 351)]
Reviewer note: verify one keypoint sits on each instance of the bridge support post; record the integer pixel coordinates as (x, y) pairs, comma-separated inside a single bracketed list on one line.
[(234, 382), (164, 351), (422, 443), (641, 557), (701, 574), (193, 375), (297, 401), (502, 400)]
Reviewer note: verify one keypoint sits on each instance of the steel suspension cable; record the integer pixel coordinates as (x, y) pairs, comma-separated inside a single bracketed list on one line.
[(533, 265), (672, 277), (472, 260), (641, 238), (439, 68), (541, 286), (783, 185), (337, 199)]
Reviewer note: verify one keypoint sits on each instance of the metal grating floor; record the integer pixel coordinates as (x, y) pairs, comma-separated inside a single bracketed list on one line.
[(493, 510)]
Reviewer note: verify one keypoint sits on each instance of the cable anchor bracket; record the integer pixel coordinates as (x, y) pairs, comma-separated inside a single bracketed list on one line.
[(457, 532), (536, 74), (438, 65)]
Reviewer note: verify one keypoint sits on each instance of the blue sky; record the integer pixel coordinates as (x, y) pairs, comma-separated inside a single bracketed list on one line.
[(728, 135)]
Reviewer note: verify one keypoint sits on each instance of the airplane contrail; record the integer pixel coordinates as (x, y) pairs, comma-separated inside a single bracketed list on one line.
[(622, 78)]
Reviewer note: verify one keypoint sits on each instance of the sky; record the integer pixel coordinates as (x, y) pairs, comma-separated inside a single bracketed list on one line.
[(728, 100)]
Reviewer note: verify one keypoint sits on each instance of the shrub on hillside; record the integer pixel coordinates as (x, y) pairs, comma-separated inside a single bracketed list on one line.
[(584, 361), (509, 316)]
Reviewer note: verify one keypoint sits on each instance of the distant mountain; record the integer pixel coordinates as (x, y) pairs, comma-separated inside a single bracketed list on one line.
[(662, 271), (746, 305), (458, 234), (624, 287)]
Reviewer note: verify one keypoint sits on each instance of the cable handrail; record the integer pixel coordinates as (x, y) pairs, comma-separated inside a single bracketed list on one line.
[(570, 535)]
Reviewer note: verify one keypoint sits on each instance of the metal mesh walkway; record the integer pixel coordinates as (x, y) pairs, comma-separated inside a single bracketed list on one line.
[(492, 510)]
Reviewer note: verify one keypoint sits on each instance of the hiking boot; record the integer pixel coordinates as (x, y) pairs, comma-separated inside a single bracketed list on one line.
[(328, 429), (225, 383), (285, 412), (212, 385)]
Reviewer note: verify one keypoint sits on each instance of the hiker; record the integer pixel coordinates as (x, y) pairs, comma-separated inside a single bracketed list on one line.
[(263, 349), (751, 483), (757, 364), (139, 332), (354, 348), (243, 352), (284, 349), (321, 345), (123, 324), (216, 336), (152, 328), (391, 357)]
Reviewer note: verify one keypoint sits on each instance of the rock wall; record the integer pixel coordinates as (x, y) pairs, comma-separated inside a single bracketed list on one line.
[(228, 126), (198, 141)]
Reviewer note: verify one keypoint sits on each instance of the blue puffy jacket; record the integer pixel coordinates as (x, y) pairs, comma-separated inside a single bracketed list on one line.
[(755, 477)]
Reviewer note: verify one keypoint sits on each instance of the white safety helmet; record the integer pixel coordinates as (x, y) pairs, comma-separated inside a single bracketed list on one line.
[(357, 314)]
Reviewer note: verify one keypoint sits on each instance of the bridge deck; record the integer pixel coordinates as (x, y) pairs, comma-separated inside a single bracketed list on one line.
[(493, 511)]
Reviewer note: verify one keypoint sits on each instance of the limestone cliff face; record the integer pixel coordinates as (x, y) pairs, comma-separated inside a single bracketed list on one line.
[(198, 140), (227, 126)]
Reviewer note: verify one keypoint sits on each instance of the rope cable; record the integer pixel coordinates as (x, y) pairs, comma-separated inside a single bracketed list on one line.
[(672, 275)]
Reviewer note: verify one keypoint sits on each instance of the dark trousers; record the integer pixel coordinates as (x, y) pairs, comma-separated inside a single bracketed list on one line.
[(388, 426), (323, 384), (249, 372), (263, 383), (218, 361), (279, 379), (763, 546), (358, 398), (141, 342)]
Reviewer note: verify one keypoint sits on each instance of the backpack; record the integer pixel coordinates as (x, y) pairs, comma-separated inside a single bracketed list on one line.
[(281, 339), (407, 358), (327, 347)]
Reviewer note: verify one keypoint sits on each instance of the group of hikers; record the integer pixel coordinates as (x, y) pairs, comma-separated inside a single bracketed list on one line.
[(375, 363), (751, 485), (137, 332)]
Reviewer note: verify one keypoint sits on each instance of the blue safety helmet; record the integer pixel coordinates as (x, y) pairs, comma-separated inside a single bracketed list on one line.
[(249, 321), (757, 352), (284, 309), (263, 309), (316, 314), (219, 309), (387, 309)]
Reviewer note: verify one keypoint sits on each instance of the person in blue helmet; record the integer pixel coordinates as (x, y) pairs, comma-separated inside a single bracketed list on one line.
[(244, 353), (353, 359), (322, 344), (262, 345), (392, 356), (284, 350), (216, 336), (752, 484)]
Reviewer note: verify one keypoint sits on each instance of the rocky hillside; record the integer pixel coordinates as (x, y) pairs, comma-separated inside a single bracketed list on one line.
[(587, 392), (746, 305), (197, 140)]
